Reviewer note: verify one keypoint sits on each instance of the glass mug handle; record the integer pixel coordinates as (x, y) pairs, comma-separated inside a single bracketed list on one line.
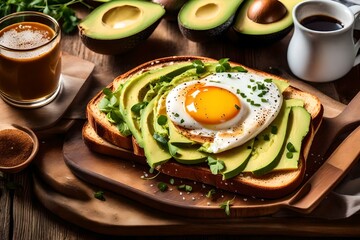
[(356, 11)]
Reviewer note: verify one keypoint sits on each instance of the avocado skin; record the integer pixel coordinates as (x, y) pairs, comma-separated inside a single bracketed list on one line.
[(206, 35), (257, 40), (117, 46)]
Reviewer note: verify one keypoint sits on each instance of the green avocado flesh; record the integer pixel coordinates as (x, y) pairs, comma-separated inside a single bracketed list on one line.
[(207, 14), (244, 25), (299, 127), (155, 154), (142, 104), (120, 19), (134, 93), (268, 146)]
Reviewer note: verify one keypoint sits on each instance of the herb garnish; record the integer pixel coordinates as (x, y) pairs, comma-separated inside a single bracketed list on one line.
[(109, 104), (162, 186), (59, 9), (211, 193), (289, 155), (99, 195), (185, 187), (138, 107), (215, 165), (274, 129), (199, 65), (171, 181), (224, 66), (291, 149), (162, 120), (226, 206)]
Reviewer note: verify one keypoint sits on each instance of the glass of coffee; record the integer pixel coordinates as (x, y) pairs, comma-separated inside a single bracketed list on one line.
[(30, 59)]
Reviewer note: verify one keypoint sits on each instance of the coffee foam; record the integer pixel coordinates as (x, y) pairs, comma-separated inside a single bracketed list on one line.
[(25, 39)]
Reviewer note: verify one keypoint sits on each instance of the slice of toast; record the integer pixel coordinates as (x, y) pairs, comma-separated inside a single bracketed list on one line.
[(101, 136)]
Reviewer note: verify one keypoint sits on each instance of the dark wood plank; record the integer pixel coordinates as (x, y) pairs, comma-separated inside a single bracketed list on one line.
[(5, 208)]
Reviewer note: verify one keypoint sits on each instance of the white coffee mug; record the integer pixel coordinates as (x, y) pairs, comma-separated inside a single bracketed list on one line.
[(318, 55)]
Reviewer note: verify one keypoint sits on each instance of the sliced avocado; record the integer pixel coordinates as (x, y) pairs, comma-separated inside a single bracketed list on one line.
[(118, 26), (134, 89), (247, 30), (190, 155), (299, 127), (268, 144), (177, 139), (235, 160), (282, 85), (204, 20), (154, 153)]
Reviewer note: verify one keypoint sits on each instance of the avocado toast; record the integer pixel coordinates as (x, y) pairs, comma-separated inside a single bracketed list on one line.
[(151, 137)]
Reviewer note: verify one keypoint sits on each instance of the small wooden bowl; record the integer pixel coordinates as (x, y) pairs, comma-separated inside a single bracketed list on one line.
[(35, 142)]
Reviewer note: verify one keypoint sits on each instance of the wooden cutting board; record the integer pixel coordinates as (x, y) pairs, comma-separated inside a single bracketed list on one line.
[(125, 177), (71, 198)]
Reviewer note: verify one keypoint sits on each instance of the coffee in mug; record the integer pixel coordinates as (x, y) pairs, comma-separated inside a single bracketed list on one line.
[(30, 59), (321, 23), (322, 47)]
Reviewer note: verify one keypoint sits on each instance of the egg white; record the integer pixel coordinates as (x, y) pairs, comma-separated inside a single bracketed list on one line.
[(256, 112)]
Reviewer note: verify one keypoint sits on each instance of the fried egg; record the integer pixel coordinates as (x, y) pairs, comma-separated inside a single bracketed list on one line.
[(227, 108)]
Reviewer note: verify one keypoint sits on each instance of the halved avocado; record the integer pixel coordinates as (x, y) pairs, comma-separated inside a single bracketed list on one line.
[(118, 26), (204, 20), (272, 22)]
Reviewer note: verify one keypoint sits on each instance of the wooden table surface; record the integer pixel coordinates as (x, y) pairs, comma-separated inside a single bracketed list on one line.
[(23, 217)]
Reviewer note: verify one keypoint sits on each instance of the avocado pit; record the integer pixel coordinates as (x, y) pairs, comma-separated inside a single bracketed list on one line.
[(207, 11), (266, 11), (122, 16)]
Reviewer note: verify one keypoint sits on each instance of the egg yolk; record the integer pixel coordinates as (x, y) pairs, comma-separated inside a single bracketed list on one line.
[(211, 104)]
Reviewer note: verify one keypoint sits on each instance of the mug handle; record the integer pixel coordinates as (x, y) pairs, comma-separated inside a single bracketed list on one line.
[(355, 9)]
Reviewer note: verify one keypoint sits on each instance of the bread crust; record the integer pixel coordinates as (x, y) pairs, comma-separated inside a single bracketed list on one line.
[(272, 185)]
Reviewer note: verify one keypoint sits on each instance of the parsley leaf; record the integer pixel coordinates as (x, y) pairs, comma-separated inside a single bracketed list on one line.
[(211, 193), (223, 65), (99, 195), (185, 187), (162, 120), (162, 186), (226, 206), (215, 165), (290, 147), (199, 65), (136, 108), (59, 9)]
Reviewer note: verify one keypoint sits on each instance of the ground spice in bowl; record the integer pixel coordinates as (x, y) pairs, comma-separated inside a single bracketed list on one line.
[(16, 147)]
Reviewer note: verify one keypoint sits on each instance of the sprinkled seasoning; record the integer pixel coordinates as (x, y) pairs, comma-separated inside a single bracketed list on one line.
[(15, 147)]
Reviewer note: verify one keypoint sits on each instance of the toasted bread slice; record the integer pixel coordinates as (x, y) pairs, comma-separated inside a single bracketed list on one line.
[(98, 120), (104, 138)]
